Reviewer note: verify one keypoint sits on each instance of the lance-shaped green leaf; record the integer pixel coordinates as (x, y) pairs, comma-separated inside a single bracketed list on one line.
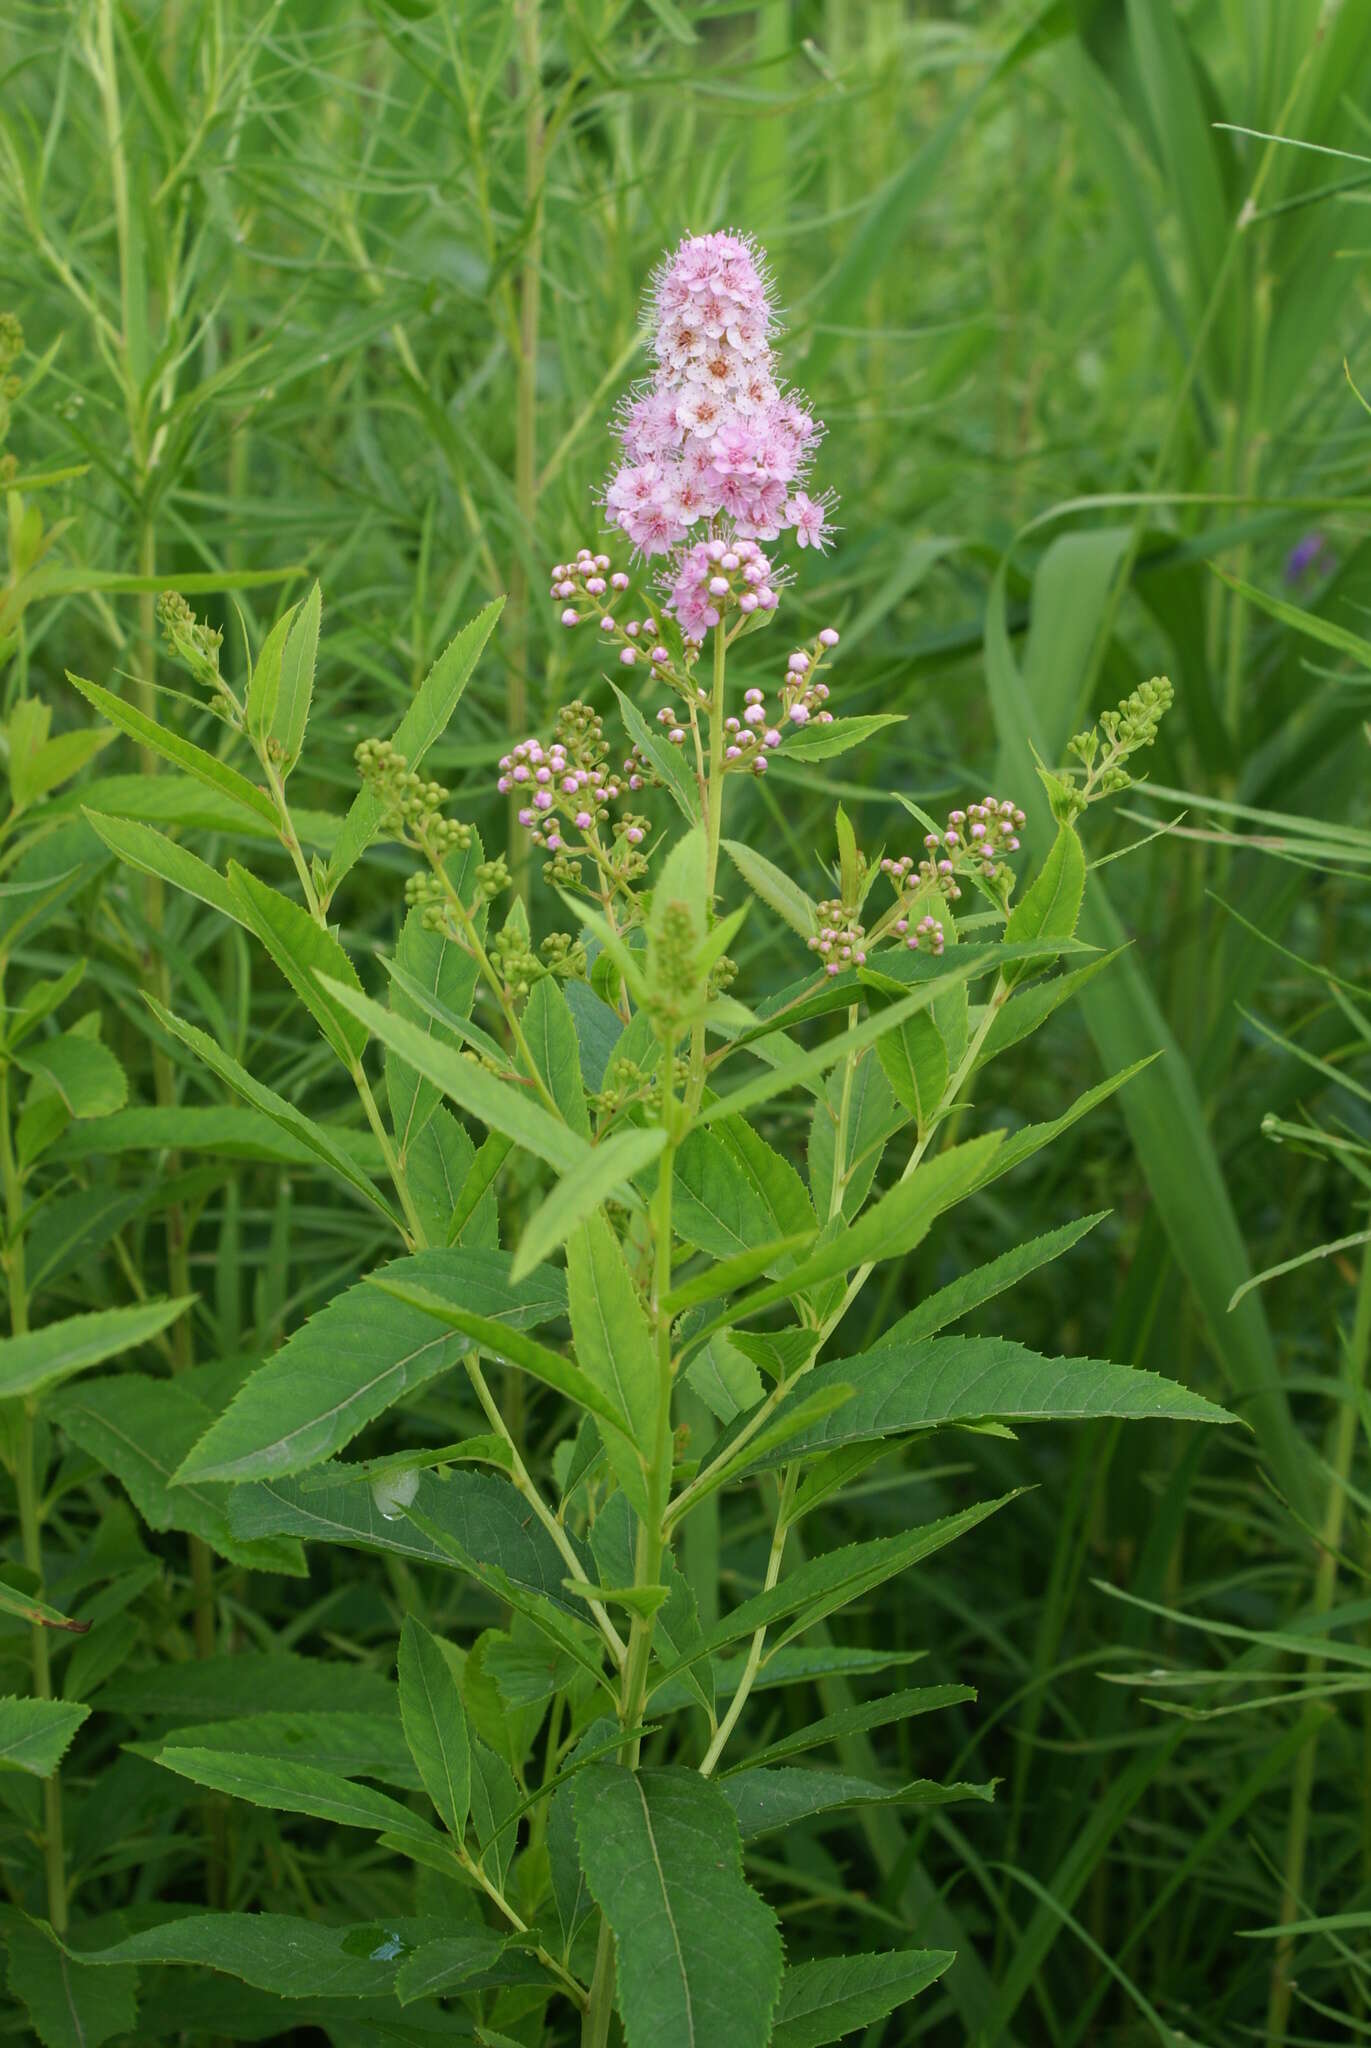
[(579, 1193), (914, 1061), (433, 981), (425, 721), (821, 1585), (295, 681), (81, 1071), (505, 1106), (698, 1952), (893, 1225), (35, 1734), (969, 1290), (352, 1360), (506, 1346), (312, 1136), (835, 1996), (477, 1959), (857, 1720), (614, 1348), (767, 1800), (306, 954), (1033, 1005), (1051, 905), (69, 2006), (924, 1385), (206, 768), (801, 1067), (152, 853), (666, 759), (727, 1274), (271, 1951), (140, 1429), (26, 1606), (435, 1725), (775, 887), (42, 1358), (285, 1787), (824, 742)]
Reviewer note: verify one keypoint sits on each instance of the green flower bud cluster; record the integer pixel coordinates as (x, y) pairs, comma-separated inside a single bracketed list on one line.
[(197, 645), (1104, 749), (411, 803), (722, 975), (564, 956), (518, 964)]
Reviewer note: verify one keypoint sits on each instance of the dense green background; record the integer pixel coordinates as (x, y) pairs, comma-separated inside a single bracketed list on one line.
[(349, 291)]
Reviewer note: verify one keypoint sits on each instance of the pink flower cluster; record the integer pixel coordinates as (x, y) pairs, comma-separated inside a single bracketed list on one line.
[(715, 434)]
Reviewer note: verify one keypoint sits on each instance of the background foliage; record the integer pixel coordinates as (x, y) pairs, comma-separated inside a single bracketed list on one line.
[(347, 291)]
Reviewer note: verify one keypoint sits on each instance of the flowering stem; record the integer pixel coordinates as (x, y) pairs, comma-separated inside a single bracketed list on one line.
[(715, 805)]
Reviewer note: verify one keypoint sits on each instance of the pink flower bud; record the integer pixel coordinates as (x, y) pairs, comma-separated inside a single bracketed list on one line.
[(628, 656), (606, 624), (829, 637), (618, 581), (718, 586), (798, 715), (798, 662), (583, 821), (771, 738), (569, 617), (748, 601), (595, 585)]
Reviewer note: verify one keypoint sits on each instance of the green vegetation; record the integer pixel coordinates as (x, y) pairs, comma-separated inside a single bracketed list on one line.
[(477, 1559)]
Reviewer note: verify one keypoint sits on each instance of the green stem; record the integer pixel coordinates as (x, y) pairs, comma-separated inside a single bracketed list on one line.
[(754, 1655), (526, 405), (30, 1512), (651, 1540), (1324, 1592)]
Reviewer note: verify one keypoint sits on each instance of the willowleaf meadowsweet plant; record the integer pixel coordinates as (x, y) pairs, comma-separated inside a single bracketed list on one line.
[(629, 1211)]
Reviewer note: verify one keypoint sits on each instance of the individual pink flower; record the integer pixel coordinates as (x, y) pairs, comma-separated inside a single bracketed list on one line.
[(809, 521)]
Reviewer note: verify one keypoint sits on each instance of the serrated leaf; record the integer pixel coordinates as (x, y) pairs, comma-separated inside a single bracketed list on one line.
[(914, 1061), (1052, 903), (578, 1194), (140, 1429), (308, 956), (35, 1734), (206, 768), (285, 1787), (815, 742), (699, 1953), (666, 760), (313, 1137), (425, 721), (614, 1349), (825, 2000), (152, 853), (775, 887), (508, 1346), (821, 1585), (503, 1106), (81, 1071), (924, 1385), (42, 1358), (776, 1797), (435, 1725), (295, 685), (969, 1290), (69, 2005), (273, 1951), (351, 1361)]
